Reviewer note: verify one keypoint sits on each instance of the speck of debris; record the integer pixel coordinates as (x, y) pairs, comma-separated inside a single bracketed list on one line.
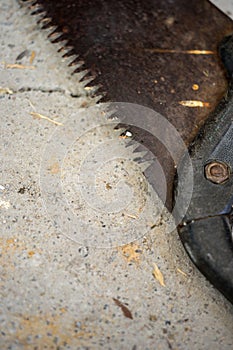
[(153, 318), (108, 186), (22, 55), (22, 190)]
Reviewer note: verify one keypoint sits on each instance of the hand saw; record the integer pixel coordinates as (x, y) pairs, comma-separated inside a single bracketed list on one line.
[(163, 55)]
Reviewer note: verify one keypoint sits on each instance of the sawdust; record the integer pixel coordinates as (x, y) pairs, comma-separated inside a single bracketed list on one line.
[(31, 253), (10, 247), (50, 331), (131, 252)]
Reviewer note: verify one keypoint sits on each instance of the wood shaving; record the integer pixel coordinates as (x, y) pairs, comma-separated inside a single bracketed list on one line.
[(41, 116), (131, 216), (4, 91), (18, 66), (193, 104), (127, 313), (158, 275), (182, 272), (31, 104), (32, 57)]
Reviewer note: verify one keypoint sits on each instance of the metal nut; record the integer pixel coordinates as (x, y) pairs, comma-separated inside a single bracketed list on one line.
[(217, 172)]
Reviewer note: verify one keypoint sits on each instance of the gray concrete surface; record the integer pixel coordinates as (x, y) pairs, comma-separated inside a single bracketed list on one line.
[(224, 5), (61, 291)]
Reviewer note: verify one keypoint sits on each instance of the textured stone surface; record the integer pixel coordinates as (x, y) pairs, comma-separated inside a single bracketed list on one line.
[(57, 293)]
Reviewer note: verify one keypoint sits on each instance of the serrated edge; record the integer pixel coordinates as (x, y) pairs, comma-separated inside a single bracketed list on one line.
[(73, 64), (83, 76)]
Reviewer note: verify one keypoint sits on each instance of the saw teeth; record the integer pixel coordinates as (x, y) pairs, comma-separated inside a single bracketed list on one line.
[(68, 52), (40, 15), (131, 147), (84, 77), (90, 90), (86, 80), (46, 21), (141, 155), (60, 45), (55, 36), (28, 3), (147, 156), (37, 10), (71, 60), (50, 30), (34, 6), (81, 74), (118, 132), (144, 165), (64, 48)]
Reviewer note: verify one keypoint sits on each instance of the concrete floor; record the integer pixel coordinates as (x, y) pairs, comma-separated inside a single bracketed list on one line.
[(86, 284), (224, 5)]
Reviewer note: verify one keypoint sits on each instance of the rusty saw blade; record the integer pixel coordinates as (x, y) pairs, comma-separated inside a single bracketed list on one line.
[(160, 54)]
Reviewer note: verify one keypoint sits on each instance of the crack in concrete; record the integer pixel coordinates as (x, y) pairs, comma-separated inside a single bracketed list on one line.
[(46, 90)]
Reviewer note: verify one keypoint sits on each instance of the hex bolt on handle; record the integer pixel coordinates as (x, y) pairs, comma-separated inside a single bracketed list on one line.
[(206, 231), (217, 172)]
